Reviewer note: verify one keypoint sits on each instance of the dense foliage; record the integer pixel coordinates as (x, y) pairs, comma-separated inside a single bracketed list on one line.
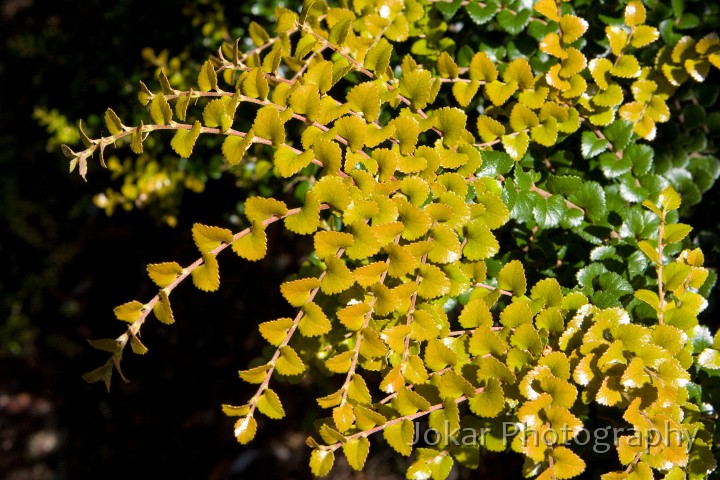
[(493, 193)]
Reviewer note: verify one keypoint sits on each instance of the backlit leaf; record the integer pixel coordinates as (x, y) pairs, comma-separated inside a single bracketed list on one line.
[(314, 322), (289, 363), (400, 436), (163, 274), (208, 238), (206, 277), (163, 310), (128, 312), (512, 278), (269, 405), (356, 452), (184, 140)]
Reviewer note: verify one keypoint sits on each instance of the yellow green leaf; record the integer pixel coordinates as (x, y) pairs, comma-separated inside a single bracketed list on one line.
[(519, 71), (626, 66), (308, 219), (255, 85), (644, 35), (481, 243), (289, 162), (129, 312), (162, 310), (163, 274), (516, 145), (245, 429), (534, 98), (572, 28), (546, 133), (353, 316), (465, 91), (356, 452), (400, 436), (512, 278), (434, 283), (600, 71), (548, 8), (573, 64), (522, 118), (289, 363), (550, 44), (206, 277), (365, 98), (490, 401), (609, 97), (234, 147), (269, 405), (275, 331), (160, 110), (314, 321), (297, 292), (113, 123), (259, 209), (489, 129), (184, 140), (321, 460), (482, 69), (499, 92), (269, 125), (207, 79), (338, 277), (208, 238), (617, 37), (635, 13), (252, 246)]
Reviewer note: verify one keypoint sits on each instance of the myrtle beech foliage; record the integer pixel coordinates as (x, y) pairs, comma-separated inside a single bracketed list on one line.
[(420, 154)]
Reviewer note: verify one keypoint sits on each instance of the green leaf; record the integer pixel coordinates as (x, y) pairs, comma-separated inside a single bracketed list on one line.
[(269, 405), (206, 277), (400, 436), (184, 140), (591, 197), (356, 452), (619, 133), (514, 22), (592, 146), (482, 13), (549, 211), (566, 463), (289, 363)]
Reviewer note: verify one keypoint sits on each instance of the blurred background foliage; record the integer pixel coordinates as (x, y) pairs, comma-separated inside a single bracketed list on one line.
[(64, 260)]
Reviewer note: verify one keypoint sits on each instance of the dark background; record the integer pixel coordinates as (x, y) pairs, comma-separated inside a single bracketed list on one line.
[(64, 264)]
